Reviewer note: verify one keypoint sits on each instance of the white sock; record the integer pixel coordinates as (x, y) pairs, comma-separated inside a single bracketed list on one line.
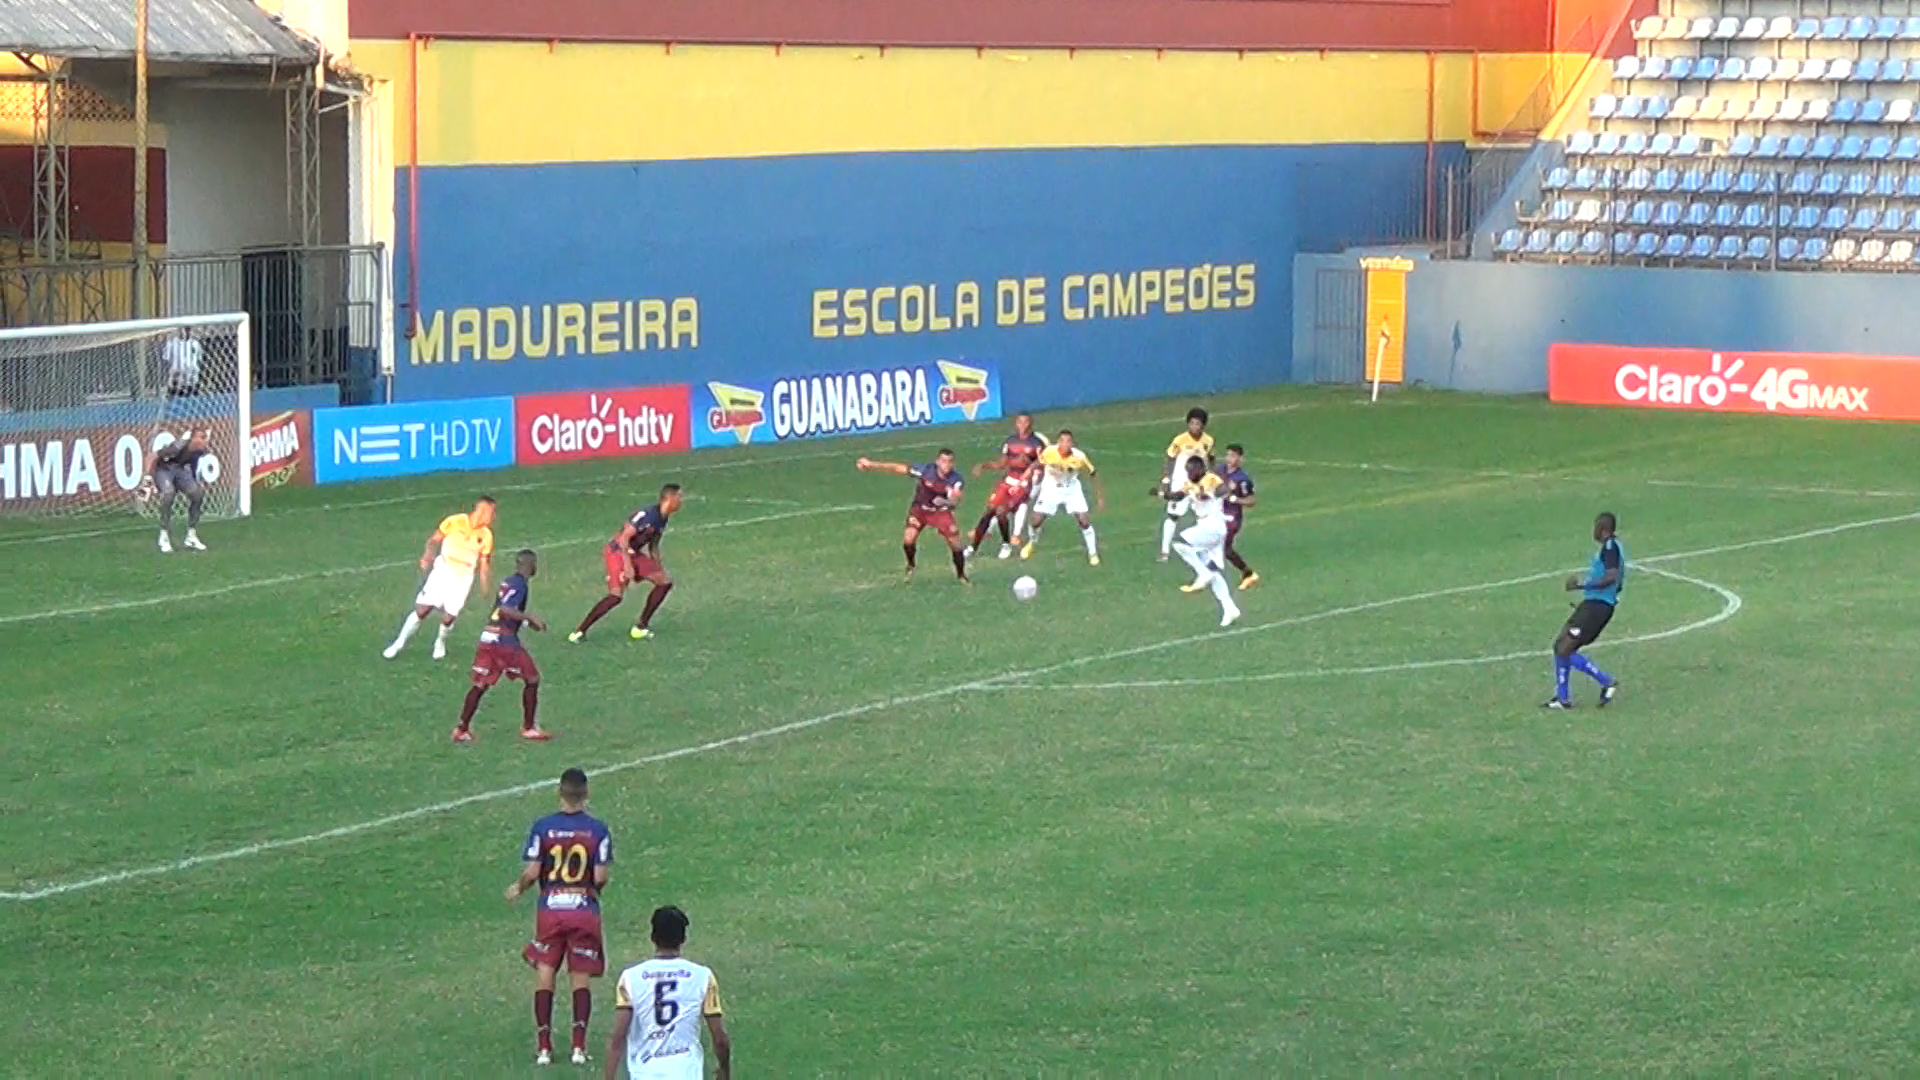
[(1020, 522), (1223, 592), (407, 628), (1167, 529), (1093, 544), (1192, 558), (444, 627)]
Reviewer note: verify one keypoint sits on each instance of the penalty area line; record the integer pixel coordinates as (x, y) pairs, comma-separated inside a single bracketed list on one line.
[(884, 704)]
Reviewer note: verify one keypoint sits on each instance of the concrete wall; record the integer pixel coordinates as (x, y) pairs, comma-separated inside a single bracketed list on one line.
[(226, 169), (1486, 326)]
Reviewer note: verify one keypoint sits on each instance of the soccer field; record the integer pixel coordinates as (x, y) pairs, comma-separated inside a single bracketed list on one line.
[(923, 830)]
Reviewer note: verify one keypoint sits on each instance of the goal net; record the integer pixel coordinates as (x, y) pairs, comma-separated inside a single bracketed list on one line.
[(82, 407)]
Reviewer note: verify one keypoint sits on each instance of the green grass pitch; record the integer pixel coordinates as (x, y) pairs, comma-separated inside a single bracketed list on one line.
[(962, 836)]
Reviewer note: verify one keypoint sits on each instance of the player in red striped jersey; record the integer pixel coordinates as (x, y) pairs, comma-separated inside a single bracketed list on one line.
[(1007, 506)]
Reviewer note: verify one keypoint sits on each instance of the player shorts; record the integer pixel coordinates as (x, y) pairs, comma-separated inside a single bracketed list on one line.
[(644, 566), (1588, 620), (1064, 498), (940, 521), (446, 588), (1208, 537), (1009, 494), (497, 660), (569, 939), (168, 479)]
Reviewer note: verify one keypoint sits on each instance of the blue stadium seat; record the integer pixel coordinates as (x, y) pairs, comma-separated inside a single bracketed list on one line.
[(1707, 68), (1580, 144), (1892, 220), (1910, 28), (1858, 184), (1719, 182), (1698, 215), (1674, 246), (1728, 249), (1846, 111), (1638, 180), (1769, 146), (1734, 69), (1753, 217), (1795, 147), (1851, 148), (1559, 210), (1565, 241), (1859, 28), (1584, 179), (1910, 187), (1693, 181), (1886, 185), (1835, 219), (1814, 249), (1669, 215), (1789, 247), (1742, 146), (1647, 246), (1805, 29), (1607, 144), (1687, 145), (1631, 107), (1653, 67), (1726, 215), (1753, 183), (1508, 244), (1604, 107), (1560, 177), (1640, 213), (1807, 219), (1665, 181), (1886, 28), (1873, 112), (1661, 145), (1538, 241), (1863, 220), (1701, 248), (1879, 148), (1657, 108), (1802, 182), (1867, 69), (1622, 244), (1593, 243), (1830, 184), (1783, 216), (1823, 148), (1833, 27), (1680, 68), (1894, 70), (1760, 69), (1634, 144)]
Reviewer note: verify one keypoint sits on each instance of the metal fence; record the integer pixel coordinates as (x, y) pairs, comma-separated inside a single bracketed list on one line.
[(316, 310)]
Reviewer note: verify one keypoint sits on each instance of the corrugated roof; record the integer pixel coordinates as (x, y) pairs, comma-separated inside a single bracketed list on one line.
[(178, 31)]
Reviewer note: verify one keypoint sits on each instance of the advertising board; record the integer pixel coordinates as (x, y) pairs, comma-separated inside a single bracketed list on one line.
[(1706, 380), (414, 437), (845, 403), (578, 426)]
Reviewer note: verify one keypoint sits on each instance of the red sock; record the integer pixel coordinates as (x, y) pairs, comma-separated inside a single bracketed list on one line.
[(654, 599), (529, 701), (607, 603), (543, 1018), (582, 1010), (472, 703), (911, 554)]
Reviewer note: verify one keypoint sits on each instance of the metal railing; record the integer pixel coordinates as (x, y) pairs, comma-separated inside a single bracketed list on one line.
[(316, 310)]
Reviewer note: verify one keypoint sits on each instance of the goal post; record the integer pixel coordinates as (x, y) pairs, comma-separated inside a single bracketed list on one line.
[(83, 406)]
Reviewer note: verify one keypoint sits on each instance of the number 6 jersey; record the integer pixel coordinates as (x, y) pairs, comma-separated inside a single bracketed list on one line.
[(569, 846), (670, 999)]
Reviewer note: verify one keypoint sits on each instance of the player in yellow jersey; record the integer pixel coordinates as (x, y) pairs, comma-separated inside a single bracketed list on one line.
[(459, 551), (1192, 443), (1201, 546), (1061, 466)]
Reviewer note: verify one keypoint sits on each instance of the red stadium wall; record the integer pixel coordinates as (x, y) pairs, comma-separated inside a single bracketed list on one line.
[(1477, 25), (100, 193)]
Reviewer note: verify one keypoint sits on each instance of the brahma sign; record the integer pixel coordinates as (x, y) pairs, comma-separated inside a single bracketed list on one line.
[(1797, 384)]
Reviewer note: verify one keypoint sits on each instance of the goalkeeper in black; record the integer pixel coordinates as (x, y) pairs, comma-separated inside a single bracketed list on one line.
[(173, 470)]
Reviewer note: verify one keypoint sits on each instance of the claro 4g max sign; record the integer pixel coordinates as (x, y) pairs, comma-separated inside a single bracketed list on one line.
[(1796, 384)]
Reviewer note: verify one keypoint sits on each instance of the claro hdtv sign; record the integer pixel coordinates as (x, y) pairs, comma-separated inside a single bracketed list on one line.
[(1797, 384)]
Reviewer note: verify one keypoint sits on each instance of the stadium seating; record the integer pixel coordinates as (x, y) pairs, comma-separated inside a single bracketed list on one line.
[(1745, 139)]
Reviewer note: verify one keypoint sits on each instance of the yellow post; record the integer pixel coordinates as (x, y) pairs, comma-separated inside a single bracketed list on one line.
[(1386, 319)]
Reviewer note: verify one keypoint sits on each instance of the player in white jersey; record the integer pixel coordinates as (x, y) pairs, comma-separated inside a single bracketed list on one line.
[(659, 1007), (1203, 545), (1193, 441), (459, 551)]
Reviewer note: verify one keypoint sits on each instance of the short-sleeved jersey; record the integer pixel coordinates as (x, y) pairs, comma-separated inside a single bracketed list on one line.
[(463, 544), (505, 629), (178, 450), (1020, 452), (649, 523), (670, 998), (1205, 495), (1240, 486), (1611, 556), (1064, 467), (569, 846), (1184, 447), (935, 491)]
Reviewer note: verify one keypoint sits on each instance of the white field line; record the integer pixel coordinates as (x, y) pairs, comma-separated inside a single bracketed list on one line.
[(643, 464), (1730, 604), (314, 575), (884, 704)]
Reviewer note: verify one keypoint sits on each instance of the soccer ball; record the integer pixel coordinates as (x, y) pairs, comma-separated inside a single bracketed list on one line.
[(1025, 588)]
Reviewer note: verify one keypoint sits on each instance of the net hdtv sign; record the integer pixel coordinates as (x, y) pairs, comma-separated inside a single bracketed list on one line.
[(1706, 380)]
